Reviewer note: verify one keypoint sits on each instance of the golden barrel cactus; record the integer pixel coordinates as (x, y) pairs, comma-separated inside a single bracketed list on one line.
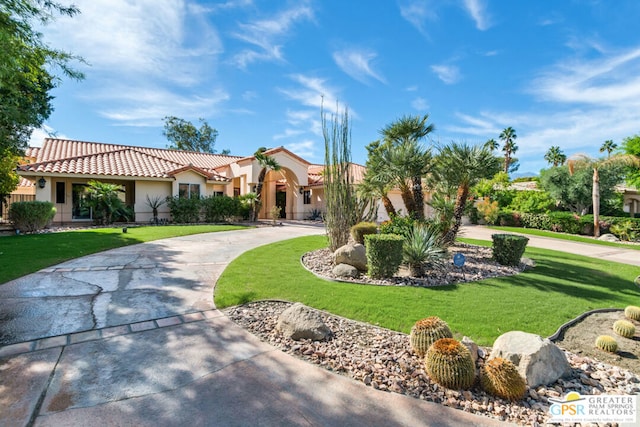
[(632, 312), (448, 362), (607, 343), (427, 331), (624, 328), (500, 377)]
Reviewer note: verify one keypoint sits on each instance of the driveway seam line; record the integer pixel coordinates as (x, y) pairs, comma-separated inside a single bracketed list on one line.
[(38, 406)]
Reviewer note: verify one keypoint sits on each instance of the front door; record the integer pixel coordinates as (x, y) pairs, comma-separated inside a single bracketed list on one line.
[(281, 202)]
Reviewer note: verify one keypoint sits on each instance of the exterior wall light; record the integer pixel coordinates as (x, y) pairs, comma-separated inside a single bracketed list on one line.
[(42, 182)]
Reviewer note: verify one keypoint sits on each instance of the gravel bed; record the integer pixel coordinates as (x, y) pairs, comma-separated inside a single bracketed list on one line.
[(383, 359), (478, 265)]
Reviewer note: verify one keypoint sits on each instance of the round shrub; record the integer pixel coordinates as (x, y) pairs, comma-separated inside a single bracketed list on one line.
[(501, 378), (361, 229), (31, 216), (427, 331), (624, 328), (448, 362), (607, 343), (632, 312)]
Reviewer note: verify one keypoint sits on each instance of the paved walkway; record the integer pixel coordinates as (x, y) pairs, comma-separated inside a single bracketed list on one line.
[(131, 337), (609, 253)]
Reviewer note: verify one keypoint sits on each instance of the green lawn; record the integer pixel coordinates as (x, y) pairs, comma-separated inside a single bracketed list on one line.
[(564, 236), (24, 254), (561, 287)]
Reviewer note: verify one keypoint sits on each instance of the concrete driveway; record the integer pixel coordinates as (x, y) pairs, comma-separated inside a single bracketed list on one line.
[(130, 337)]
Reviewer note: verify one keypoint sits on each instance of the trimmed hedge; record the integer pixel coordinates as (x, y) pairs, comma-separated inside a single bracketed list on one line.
[(220, 208), (384, 254), (31, 216), (361, 229), (508, 248)]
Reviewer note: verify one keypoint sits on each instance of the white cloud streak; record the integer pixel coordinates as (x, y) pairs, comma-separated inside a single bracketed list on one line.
[(357, 64), (449, 74), (417, 12), (477, 10)]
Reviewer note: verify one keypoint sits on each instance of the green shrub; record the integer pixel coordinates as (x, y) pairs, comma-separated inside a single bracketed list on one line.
[(508, 218), (565, 222), (400, 225), (488, 209), (534, 202), (537, 221), (448, 362), (508, 248), (423, 248), (184, 210), (31, 216), (384, 254), (627, 229), (220, 208), (361, 229)]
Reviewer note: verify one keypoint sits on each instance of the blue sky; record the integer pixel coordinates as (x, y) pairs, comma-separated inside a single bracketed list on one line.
[(561, 73)]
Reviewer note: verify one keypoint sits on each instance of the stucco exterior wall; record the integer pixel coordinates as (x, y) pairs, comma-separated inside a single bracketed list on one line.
[(154, 189)]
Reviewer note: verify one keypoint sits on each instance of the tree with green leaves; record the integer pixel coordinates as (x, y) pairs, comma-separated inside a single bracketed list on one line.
[(376, 183), (463, 166), (105, 201), (184, 135), (339, 191), (554, 156), (595, 165), (608, 146), (508, 137), (491, 145), (631, 146), (8, 178), (267, 163)]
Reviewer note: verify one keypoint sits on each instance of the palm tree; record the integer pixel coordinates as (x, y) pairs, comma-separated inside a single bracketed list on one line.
[(584, 161), (409, 160), (555, 156), (491, 144), (463, 165), (608, 146), (267, 163), (508, 136), (377, 180)]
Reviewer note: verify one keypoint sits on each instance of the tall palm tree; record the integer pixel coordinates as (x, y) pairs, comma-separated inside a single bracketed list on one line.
[(463, 165), (409, 158), (608, 146), (584, 161), (555, 156), (267, 163), (508, 136), (491, 144)]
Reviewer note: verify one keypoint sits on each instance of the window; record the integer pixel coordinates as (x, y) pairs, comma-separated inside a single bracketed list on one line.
[(187, 191), (236, 191), (80, 199), (218, 193), (306, 196), (60, 192)]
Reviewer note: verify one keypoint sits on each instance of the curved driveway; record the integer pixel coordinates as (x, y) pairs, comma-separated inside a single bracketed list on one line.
[(131, 337)]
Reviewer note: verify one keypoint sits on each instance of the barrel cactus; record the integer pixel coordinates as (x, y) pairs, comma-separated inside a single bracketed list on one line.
[(501, 378), (427, 331), (632, 312), (607, 343), (624, 328), (448, 362)]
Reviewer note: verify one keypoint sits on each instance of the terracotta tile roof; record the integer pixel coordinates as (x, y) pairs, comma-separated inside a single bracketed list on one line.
[(91, 158), (316, 179), (24, 182)]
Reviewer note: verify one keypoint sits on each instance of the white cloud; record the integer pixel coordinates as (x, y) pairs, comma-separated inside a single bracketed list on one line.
[(420, 104), (477, 10), (288, 133), (305, 148), (312, 92), (449, 74), (38, 135), (357, 64), (266, 35), (416, 12)]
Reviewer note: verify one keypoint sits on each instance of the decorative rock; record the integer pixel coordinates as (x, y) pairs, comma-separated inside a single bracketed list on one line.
[(472, 346), (528, 263), (538, 360), (345, 270), (301, 322), (609, 238), (353, 254)]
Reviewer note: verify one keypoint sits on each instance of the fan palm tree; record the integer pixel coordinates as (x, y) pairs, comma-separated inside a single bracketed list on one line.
[(584, 161), (409, 160), (555, 156), (491, 144), (377, 181), (608, 146), (463, 165), (267, 163), (508, 136)]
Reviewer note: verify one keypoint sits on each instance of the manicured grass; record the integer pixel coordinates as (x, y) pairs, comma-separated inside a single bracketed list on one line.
[(24, 254), (561, 287), (564, 236)]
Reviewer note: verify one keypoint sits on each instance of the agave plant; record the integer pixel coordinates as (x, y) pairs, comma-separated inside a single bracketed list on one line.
[(422, 248)]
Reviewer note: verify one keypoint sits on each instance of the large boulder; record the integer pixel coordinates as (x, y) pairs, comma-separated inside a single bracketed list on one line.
[(353, 254), (538, 360), (609, 238), (301, 322), (345, 270)]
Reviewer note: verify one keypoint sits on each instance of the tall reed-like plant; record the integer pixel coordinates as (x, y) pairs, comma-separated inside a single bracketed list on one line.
[(339, 190)]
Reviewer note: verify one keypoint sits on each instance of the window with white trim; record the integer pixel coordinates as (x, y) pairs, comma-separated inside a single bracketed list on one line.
[(187, 191)]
